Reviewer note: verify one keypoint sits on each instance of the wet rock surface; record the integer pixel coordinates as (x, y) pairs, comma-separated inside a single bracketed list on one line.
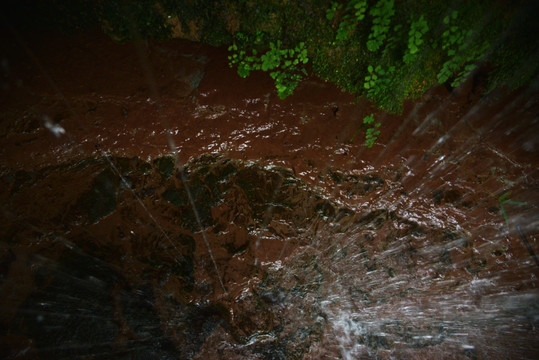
[(266, 268), (186, 213)]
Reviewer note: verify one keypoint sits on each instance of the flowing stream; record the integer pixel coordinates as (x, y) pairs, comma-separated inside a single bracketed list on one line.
[(157, 206)]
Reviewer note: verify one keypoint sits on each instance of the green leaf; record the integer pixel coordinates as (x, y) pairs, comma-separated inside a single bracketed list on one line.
[(504, 196), (442, 78), (512, 202), (243, 72), (504, 214), (372, 45), (369, 119)]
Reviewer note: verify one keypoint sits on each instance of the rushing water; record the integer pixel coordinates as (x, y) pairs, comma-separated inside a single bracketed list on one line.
[(264, 232)]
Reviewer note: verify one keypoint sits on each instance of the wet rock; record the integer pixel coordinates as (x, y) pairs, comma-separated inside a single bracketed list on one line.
[(6, 259), (475, 265), (76, 314), (272, 351), (296, 268), (374, 219), (100, 200), (273, 296), (354, 185), (176, 197), (253, 317), (193, 324), (20, 179), (165, 166), (344, 213), (126, 165), (451, 196), (325, 208)]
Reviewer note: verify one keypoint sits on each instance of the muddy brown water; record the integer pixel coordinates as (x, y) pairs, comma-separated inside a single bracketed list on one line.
[(304, 244)]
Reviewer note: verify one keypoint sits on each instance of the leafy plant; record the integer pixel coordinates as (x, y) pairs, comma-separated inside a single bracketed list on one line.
[(427, 42), (462, 52), (418, 29), (410, 46), (378, 82), (503, 200), (377, 78), (354, 13), (382, 13), (372, 132), (285, 64), (330, 13)]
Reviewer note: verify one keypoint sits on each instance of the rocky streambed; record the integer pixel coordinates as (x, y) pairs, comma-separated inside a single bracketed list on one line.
[(155, 205)]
